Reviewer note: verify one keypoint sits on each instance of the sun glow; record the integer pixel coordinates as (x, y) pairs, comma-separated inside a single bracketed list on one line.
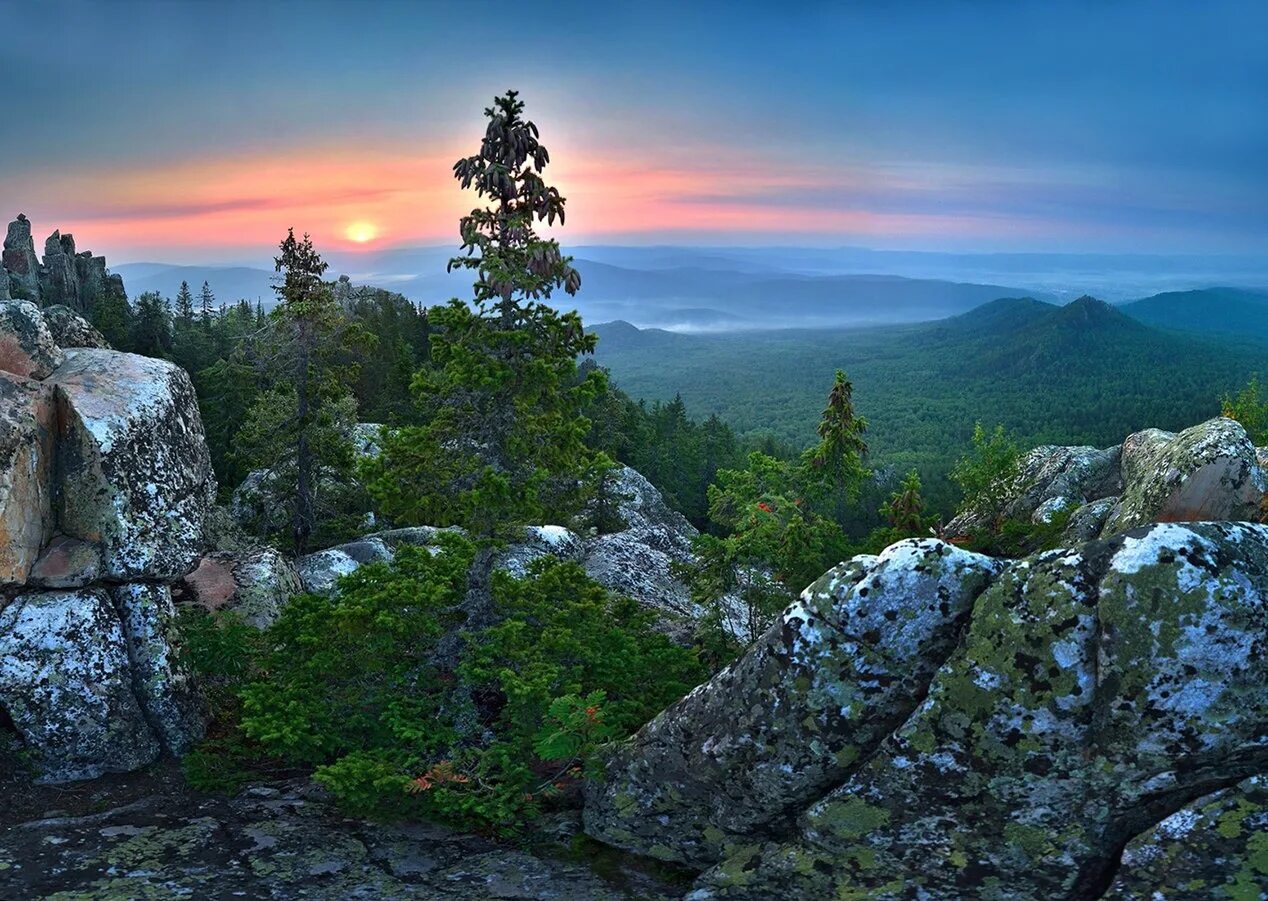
[(361, 232)]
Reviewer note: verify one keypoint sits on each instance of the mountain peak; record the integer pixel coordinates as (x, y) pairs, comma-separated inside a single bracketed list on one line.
[(1088, 312)]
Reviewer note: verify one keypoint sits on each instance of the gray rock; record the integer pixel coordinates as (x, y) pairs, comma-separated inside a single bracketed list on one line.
[(27, 348), (1207, 472), (256, 584), (1097, 692), (28, 424), (136, 474), (1216, 847), (321, 571), (20, 259), (59, 282), (4, 284), (537, 542), (69, 329), (806, 705), (1086, 522), (1047, 479), (66, 682), (163, 688)]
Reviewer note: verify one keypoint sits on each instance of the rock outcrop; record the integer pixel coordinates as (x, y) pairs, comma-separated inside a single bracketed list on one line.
[(746, 752), (1091, 694), (1211, 471), (65, 277), (105, 483), (255, 584), (637, 561)]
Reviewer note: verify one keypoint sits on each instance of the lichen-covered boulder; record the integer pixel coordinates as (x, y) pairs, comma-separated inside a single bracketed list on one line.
[(1046, 480), (1207, 472), (1086, 523), (163, 688), (1097, 692), (1216, 847), (69, 329), (136, 475), (747, 751), (66, 683), (27, 347), (320, 572), (27, 430), (255, 584)]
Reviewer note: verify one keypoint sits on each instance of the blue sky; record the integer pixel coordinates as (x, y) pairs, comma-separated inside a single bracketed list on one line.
[(178, 130)]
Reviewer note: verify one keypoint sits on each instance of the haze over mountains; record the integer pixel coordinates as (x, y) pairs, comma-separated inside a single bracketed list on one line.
[(721, 289)]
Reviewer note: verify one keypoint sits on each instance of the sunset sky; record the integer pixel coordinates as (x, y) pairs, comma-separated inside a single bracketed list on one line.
[(198, 132)]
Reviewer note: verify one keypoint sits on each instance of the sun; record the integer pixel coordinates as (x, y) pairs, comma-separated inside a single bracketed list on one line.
[(361, 232)]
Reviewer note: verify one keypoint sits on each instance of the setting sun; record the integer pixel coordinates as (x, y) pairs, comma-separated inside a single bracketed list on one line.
[(361, 232)]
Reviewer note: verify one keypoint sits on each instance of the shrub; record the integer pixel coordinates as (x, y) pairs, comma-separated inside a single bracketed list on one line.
[(356, 688)]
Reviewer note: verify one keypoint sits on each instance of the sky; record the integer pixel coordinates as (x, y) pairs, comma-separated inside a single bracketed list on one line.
[(201, 131)]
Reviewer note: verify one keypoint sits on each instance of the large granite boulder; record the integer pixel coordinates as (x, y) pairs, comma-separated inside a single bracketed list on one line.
[(136, 476), (20, 259), (66, 683), (59, 282), (1046, 480), (255, 584), (747, 751), (1207, 472), (1216, 847), (1097, 692), (69, 329), (27, 347), (27, 429), (321, 571)]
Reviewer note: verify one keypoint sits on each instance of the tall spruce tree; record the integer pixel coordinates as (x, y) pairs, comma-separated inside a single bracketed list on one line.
[(184, 306), (833, 468), (502, 442), (208, 304)]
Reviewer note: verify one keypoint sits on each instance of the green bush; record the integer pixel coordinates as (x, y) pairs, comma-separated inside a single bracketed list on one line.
[(357, 689)]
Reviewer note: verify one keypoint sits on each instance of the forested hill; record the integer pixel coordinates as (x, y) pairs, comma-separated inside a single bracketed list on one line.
[(1220, 311), (1080, 373)]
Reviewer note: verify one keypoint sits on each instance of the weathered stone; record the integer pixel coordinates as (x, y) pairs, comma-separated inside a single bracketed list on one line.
[(27, 430), (1216, 847), (20, 259), (66, 682), (4, 285), (255, 584), (69, 329), (744, 753), (1047, 480), (136, 475), (66, 563), (1086, 522), (1207, 472), (59, 282), (1096, 693), (537, 542), (162, 687), (320, 572), (27, 347)]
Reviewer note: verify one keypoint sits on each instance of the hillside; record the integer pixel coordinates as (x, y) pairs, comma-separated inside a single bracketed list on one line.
[(1084, 373), (1216, 311)]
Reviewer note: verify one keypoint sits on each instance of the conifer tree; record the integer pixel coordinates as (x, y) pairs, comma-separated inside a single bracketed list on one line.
[(503, 439), (184, 306), (208, 305), (150, 331)]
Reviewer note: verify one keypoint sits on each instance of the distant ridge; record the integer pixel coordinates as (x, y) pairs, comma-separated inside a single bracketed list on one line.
[(1217, 311)]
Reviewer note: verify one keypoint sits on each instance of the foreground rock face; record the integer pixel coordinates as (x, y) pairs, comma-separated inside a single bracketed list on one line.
[(1096, 692), (105, 484), (747, 751), (1211, 471), (255, 584), (280, 842)]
